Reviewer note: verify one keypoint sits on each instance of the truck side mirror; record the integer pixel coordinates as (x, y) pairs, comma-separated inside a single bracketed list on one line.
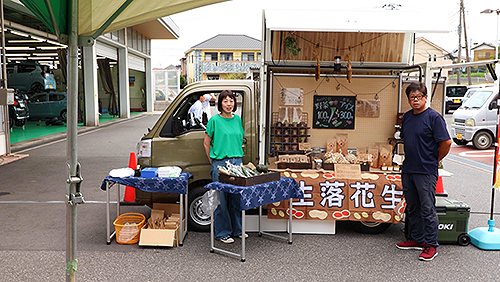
[(493, 105)]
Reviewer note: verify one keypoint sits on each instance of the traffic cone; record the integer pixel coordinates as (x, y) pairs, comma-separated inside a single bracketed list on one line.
[(130, 191), (440, 187)]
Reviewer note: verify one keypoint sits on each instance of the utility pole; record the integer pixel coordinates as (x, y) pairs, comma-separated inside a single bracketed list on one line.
[(459, 74), (466, 42)]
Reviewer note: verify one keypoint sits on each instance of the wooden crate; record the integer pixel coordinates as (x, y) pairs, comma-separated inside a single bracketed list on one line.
[(249, 181)]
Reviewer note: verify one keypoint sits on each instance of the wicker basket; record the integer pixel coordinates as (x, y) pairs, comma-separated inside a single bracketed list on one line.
[(128, 227)]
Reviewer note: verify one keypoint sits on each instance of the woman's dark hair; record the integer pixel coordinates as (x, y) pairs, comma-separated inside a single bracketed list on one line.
[(416, 86), (222, 96)]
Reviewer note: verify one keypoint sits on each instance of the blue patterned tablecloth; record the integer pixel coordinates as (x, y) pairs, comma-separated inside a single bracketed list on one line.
[(157, 184), (262, 194)]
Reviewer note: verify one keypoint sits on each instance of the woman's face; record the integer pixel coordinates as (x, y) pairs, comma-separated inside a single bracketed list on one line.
[(227, 104)]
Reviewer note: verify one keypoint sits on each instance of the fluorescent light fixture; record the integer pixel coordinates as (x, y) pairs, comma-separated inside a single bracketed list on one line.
[(48, 47), (56, 43), (17, 55), (37, 38), (19, 33), (40, 58), (19, 48), (24, 41), (44, 54)]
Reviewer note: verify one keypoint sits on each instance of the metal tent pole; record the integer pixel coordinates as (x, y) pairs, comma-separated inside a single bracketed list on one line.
[(73, 195)]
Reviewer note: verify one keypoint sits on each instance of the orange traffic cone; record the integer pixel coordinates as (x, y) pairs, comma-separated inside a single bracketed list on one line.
[(440, 187), (130, 191)]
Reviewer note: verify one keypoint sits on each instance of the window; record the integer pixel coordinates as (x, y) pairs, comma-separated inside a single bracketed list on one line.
[(25, 68), (430, 57), (180, 123), (435, 57), (56, 97), (247, 56), (210, 56), (259, 56), (212, 77), (226, 56), (485, 55)]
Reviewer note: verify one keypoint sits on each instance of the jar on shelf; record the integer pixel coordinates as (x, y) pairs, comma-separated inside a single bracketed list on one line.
[(295, 139), (294, 147), (286, 147), (302, 131), (278, 131), (286, 139), (294, 131), (286, 131)]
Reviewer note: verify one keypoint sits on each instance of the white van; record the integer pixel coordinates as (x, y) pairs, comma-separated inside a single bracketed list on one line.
[(476, 120)]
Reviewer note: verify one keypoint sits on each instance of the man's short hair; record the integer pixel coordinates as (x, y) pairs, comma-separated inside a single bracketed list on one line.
[(222, 96), (416, 86)]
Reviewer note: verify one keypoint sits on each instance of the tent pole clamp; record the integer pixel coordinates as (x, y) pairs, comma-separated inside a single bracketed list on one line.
[(77, 197), (86, 41)]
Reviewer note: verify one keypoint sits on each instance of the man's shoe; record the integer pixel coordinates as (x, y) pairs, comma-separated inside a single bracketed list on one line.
[(429, 253), (410, 245), (246, 236), (227, 240)]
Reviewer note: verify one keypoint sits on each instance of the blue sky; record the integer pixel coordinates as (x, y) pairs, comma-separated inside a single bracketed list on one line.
[(245, 17)]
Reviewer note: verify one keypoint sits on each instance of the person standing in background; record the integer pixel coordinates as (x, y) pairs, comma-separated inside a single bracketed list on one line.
[(201, 105), (223, 143)]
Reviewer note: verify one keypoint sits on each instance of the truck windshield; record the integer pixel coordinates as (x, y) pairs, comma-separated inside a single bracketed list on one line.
[(477, 100)]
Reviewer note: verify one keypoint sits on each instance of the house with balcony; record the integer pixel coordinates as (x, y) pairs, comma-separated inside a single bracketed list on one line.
[(483, 52), (224, 56), (426, 50)]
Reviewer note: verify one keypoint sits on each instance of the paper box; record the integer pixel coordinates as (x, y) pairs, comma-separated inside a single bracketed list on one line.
[(161, 237), (168, 208)]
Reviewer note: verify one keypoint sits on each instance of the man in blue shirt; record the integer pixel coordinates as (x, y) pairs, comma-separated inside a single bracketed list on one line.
[(426, 142)]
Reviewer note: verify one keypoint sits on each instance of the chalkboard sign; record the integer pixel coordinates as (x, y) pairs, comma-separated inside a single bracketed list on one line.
[(336, 112)]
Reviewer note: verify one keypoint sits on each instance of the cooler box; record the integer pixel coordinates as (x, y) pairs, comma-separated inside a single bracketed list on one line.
[(453, 222)]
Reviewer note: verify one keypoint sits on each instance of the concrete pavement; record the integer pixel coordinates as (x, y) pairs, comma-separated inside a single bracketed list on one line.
[(33, 229)]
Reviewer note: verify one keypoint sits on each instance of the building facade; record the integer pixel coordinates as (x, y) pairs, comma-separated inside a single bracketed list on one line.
[(427, 51), (225, 56)]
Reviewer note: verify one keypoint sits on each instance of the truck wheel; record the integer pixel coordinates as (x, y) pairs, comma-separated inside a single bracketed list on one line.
[(367, 227), (197, 219), (460, 142), (482, 141), (463, 239)]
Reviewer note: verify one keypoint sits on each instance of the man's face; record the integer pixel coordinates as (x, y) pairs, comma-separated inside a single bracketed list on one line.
[(202, 98), (417, 100)]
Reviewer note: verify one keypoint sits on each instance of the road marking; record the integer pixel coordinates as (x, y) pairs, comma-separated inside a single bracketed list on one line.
[(478, 154)]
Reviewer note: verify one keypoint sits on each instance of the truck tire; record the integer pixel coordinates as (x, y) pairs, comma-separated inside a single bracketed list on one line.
[(460, 142), (482, 140), (197, 219), (367, 227)]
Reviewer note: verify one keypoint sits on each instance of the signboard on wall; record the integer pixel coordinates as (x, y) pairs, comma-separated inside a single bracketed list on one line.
[(372, 197), (334, 112)]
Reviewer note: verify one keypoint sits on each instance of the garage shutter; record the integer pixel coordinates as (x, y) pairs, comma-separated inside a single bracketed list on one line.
[(136, 63), (108, 51)]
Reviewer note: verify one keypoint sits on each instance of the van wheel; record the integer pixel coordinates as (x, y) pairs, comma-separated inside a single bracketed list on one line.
[(460, 142), (482, 141), (367, 227), (197, 219)]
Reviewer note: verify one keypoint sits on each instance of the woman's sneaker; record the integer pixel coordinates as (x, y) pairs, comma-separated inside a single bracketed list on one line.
[(410, 245), (246, 236), (429, 253), (227, 240)]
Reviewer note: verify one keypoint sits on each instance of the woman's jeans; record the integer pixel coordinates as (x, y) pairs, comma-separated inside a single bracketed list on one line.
[(227, 216)]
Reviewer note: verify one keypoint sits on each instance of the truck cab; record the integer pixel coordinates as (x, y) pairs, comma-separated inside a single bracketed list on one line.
[(177, 140), (476, 119)]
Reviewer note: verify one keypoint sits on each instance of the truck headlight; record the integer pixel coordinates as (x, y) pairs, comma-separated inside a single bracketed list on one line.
[(144, 148), (470, 122)]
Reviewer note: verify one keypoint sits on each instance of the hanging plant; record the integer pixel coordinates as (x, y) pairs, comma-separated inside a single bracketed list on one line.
[(291, 46)]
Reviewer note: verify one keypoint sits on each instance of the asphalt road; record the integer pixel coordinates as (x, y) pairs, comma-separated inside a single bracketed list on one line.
[(33, 229)]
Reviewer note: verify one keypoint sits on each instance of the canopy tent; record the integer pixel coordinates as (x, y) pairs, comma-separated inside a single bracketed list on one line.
[(83, 18), (96, 16)]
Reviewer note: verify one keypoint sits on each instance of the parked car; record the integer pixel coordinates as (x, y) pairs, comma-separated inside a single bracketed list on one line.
[(454, 95), (18, 112), (476, 120), (30, 76), (48, 105)]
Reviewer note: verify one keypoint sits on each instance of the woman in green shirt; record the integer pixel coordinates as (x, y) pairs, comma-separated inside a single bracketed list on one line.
[(223, 142)]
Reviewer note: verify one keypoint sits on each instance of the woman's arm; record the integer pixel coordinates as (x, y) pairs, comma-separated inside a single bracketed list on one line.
[(206, 143)]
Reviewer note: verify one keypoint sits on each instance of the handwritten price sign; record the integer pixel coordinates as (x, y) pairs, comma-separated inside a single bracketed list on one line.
[(335, 112)]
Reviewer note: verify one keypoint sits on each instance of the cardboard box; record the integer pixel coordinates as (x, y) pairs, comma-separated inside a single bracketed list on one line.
[(161, 237), (164, 237)]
